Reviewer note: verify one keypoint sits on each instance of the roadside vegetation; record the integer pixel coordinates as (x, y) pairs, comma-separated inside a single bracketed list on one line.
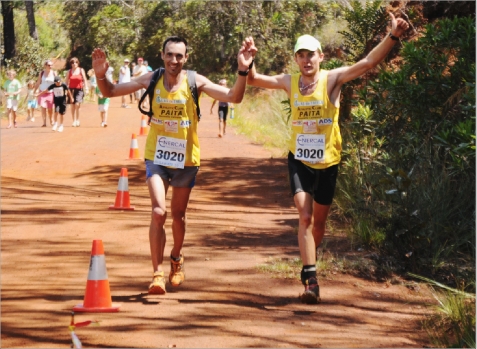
[(406, 190)]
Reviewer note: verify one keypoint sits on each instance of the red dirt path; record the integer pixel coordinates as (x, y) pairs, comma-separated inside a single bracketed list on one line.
[(56, 190)]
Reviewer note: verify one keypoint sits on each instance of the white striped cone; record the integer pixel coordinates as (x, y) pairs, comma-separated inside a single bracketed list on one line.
[(143, 130), (97, 298), (134, 149), (122, 195)]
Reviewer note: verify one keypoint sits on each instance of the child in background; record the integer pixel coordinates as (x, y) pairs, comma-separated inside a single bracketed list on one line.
[(103, 106), (93, 84), (60, 92), (31, 100), (12, 88)]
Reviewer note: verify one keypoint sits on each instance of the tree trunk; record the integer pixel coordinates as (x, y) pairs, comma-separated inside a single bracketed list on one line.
[(31, 19), (8, 31)]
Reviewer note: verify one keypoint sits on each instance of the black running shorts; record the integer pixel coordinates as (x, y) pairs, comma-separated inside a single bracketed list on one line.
[(320, 184)]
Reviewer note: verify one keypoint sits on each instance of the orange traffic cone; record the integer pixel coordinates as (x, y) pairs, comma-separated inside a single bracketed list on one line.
[(134, 149), (143, 130), (97, 298), (122, 195)]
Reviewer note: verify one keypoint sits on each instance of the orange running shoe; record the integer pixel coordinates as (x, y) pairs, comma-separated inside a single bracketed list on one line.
[(177, 274), (158, 284)]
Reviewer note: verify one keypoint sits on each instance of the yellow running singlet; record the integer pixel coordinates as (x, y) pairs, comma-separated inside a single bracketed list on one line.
[(316, 137), (172, 140)]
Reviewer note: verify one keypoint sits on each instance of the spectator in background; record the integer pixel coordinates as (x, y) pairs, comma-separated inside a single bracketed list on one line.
[(125, 76), (103, 106), (77, 83), (133, 95), (60, 92), (139, 70), (109, 74), (148, 67), (12, 88), (92, 84), (31, 101), (45, 100)]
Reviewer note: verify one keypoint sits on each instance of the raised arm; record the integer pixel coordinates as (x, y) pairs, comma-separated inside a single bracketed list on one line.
[(281, 81), (342, 75), (108, 89), (222, 93)]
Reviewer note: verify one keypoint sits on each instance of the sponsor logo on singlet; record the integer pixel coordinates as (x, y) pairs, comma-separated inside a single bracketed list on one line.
[(308, 103)]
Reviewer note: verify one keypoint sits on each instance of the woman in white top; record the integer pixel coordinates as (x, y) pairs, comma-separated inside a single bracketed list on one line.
[(45, 100)]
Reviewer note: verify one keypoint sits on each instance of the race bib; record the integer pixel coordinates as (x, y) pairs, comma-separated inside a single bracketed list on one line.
[(170, 152), (310, 148)]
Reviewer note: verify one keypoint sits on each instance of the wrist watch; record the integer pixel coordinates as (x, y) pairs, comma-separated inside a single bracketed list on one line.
[(395, 38), (243, 73)]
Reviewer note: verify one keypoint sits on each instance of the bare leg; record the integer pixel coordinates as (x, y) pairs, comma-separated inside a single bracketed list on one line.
[(75, 113), (320, 214), (220, 128), (306, 242), (9, 116), (50, 116), (157, 235), (179, 202), (43, 115), (78, 106)]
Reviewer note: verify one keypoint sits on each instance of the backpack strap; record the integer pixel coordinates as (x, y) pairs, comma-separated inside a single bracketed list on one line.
[(152, 84), (150, 92), (193, 90)]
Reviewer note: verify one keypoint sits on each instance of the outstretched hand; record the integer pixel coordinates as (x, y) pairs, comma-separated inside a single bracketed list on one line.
[(398, 25), (246, 54), (100, 63)]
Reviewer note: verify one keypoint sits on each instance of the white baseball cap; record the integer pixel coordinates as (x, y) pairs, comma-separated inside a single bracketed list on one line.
[(307, 42)]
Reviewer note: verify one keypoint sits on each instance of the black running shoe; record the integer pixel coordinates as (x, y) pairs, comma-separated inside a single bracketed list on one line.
[(312, 292)]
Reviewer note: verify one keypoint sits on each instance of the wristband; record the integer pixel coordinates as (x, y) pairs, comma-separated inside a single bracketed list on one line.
[(101, 79), (251, 64), (242, 73), (395, 38)]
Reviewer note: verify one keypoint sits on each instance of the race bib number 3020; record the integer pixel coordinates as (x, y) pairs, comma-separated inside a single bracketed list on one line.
[(310, 148), (170, 152)]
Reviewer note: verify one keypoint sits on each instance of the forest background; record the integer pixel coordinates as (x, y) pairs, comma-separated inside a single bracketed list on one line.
[(406, 188)]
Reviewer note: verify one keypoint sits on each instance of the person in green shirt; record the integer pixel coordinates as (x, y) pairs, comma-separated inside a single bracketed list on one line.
[(103, 106), (11, 88)]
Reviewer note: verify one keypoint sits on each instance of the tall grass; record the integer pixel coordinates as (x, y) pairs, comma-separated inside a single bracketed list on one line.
[(452, 324), (261, 116)]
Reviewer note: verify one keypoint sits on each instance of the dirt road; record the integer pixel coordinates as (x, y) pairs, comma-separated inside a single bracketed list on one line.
[(56, 190)]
